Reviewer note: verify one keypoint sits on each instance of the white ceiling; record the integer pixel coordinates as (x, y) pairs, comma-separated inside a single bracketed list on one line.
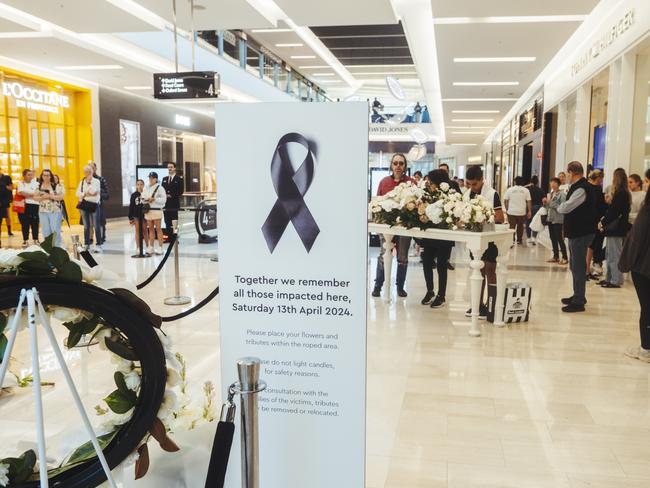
[(499, 8), (9, 26), (338, 12), (82, 16)]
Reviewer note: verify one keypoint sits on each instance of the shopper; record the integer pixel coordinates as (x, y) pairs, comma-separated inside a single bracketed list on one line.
[(434, 249), (517, 202), (27, 189), (397, 177), (135, 212), (638, 195), (100, 215), (89, 195), (477, 186), (6, 196), (536, 197), (564, 186), (615, 226), (635, 259), (579, 212), (173, 185), (555, 221), (49, 197), (596, 251), (154, 198), (417, 177), (454, 186)]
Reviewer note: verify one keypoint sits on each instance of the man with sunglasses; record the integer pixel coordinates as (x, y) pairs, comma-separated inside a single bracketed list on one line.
[(397, 176)]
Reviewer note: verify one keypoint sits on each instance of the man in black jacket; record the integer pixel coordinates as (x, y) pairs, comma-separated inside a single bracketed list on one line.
[(580, 223), (173, 185), (100, 216)]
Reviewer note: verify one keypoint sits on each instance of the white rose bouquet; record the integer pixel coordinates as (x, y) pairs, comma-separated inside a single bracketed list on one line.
[(405, 206), (450, 211)]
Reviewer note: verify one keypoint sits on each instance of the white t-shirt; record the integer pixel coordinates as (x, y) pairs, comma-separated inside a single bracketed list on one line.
[(31, 187), (517, 198)]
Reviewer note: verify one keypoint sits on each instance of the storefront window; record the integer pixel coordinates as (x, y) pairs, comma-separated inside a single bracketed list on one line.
[(130, 157)]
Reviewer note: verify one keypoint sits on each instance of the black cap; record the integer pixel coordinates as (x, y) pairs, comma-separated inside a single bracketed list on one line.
[(153, 174)]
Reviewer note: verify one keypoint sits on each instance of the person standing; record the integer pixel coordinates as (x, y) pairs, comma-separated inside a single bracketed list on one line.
[(536, 197), (135, 212), (388, 183), (579, 212), (6, 196), (564, 186), (100, 216), (173, 185), (615, 226), (28, 188), (49, 197), (638, 195), (454, 186), (89, 195), (596, 251), (555, 221), (477, 186), (518, 206), (155, 197)]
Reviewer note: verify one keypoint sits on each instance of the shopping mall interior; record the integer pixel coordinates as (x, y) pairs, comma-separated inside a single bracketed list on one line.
[(300, 244)]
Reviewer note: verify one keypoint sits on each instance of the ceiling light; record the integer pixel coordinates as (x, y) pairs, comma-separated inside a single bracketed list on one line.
[(304, 56), (475, 159), (474, 111), (323, 74), (486, 83), (509, 19), (138, 88), (270, 31), (314, 67), (479, 99), (90, 67), (330, 81), (350, 66), (468, 133), (468, 127), (522, 59), (464, 144), (390, 73), (472, 120), (290, 44)]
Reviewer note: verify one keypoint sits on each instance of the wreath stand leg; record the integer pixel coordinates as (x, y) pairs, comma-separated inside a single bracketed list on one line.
[(34, 307)]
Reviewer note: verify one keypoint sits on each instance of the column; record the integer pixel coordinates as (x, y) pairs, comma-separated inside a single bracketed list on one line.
[(261, 62), (642, 88), (242, 53), (581, 135), (220, 42), (560, 141)]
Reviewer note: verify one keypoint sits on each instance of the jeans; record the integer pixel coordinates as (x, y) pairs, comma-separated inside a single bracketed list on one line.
[(612, 256), (439, 250), (578, 249), (51, 223), (557, 239), (99, 223), (89, 220), (403, 244), (517, 222), (29, 220), (642, 286)]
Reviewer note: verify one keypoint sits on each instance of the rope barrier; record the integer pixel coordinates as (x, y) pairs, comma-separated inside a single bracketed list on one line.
[(199, 305), (170, 247)]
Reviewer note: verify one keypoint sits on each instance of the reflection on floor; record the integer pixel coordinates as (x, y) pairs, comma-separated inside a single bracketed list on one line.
[(551, 403)]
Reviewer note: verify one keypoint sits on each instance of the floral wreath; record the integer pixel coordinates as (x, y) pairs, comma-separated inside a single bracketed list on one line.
[(177, 411)]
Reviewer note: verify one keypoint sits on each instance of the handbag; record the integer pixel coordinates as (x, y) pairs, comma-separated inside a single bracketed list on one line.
[(18, 204), (146, 207), (87, 206)]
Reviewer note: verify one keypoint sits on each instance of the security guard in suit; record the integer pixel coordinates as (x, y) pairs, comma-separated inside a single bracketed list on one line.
[(174, 186)]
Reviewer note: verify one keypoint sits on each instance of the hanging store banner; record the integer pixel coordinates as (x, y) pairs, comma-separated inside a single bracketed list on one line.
[(292, 210)]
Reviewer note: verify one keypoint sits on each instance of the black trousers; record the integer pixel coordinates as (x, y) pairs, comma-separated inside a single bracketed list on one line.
[(598, 249), (642, 285), (29, 220), (170, 216), (440, 251), (557, 239)]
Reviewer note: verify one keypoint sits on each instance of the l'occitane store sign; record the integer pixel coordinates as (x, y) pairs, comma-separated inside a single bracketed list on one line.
[(35, 99)]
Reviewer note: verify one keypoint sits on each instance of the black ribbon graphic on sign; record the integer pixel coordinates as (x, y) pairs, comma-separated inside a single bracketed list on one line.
[(291, 187)]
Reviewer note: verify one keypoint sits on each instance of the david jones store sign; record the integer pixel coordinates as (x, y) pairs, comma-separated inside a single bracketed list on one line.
[(35, 99)]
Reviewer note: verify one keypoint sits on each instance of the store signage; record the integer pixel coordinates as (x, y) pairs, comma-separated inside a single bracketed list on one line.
[(283, 298), (183, 120), (35, 99), (400, 132), (193, 84), (604, 41)]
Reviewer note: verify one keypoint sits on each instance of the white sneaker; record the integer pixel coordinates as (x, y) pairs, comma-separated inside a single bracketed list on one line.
[(597, 269), (158, 250), (149, 249), (639, 353)]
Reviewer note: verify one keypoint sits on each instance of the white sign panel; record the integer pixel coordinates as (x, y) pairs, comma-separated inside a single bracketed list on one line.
[(292, 196)]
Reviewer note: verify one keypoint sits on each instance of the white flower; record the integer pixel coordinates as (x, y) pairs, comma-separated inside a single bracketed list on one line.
[(389, 205), (132, 380), (449, 220), (101, 336), (449, 207), (4, 474), (131, 459), (480, 218), (173, 378), (171, 360), (124, 366), (113, 421), (70, 314), (444, 186), (455, 227), (9, 258), (169, 405)]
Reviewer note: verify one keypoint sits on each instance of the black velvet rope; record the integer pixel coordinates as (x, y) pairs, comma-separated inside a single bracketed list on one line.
[(172, 240), (220, 454), (199, 305)]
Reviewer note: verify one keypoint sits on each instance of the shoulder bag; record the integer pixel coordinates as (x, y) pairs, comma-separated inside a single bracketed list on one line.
[(18, 205), (146, 207), (85, 205)]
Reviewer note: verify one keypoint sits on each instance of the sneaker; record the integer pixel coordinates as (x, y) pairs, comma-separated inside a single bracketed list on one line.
[(553, 260), (401, 292), (438, 302), (572, 308), (98, 250), (149, 249), (427, 298), (638, 353), (569, 300), (610, 285), (597, 269), (25, 244), (563, 261), (376, 292), (482, 312), (158, 250), (36, 243), (450, 267)]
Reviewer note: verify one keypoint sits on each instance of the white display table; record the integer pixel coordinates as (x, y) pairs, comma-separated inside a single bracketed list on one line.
[(476, 242)]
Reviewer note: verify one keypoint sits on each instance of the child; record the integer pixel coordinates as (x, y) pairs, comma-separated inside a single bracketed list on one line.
[(135, 212)]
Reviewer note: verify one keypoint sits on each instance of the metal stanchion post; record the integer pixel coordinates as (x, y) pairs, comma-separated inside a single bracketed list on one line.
[(141, 254), (248, 370), (76, 247), (177, 299)]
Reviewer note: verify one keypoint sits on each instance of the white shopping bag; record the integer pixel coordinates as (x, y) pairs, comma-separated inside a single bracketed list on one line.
[(536, 224), (517, 306)]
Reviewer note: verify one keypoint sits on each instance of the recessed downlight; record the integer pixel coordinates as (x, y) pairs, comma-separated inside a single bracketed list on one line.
[(303, 56), (515, 59), (486, 83), (475, 111), (472, 120)]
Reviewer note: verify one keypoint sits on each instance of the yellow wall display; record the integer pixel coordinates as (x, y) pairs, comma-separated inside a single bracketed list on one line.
[(44, 124)]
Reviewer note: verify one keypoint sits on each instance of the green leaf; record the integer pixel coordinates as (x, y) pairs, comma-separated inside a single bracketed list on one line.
[(121, 349), (58, 257), (70, 271), (3, 346), (73, 338), (34, 268), (48, 243), (21, 469), (3, 322), (120, 402), (121, 383), (87, 451), (34, 256)]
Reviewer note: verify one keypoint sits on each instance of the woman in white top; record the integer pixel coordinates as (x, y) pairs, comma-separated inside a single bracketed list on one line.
[(49, 196), (638, 195), (29, 218), (88, 193), (155, 196)]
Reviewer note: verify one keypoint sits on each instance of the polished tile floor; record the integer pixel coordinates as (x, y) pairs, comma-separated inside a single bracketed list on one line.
[(550, 403)]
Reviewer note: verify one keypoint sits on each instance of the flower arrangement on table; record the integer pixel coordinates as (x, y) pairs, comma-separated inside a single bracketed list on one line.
[(177, 409), (411, 206)]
